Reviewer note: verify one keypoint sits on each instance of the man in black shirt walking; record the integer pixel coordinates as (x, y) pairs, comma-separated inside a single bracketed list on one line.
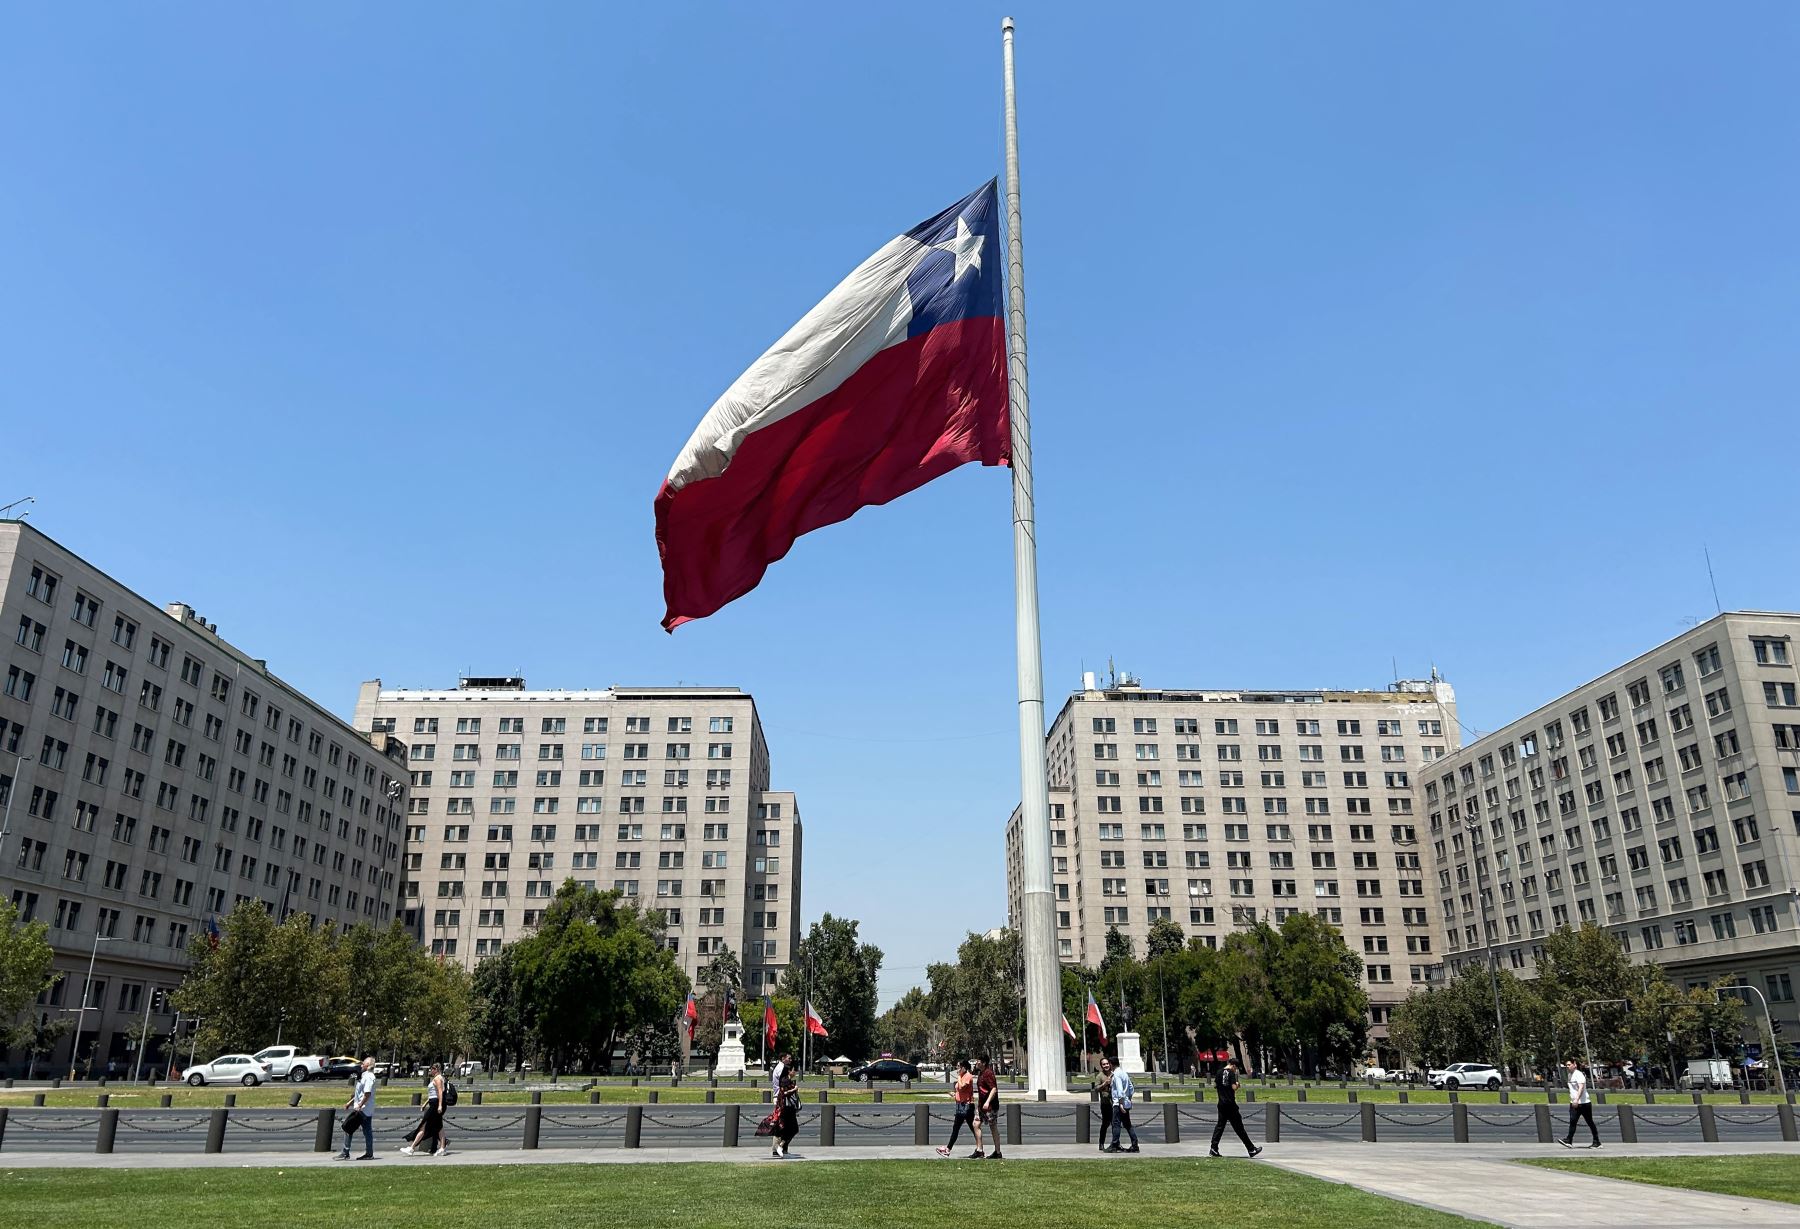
[(1225, 1084)]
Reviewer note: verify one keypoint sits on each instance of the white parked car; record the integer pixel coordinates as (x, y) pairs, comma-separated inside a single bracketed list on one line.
[(1466, 1075), (289, 1063), (1381, 1073), (229, 1069)]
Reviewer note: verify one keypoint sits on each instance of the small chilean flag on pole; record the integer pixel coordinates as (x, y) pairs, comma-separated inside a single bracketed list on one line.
[(1066, 1028), (896, 377), (768, 1023), (1094, 1017), (814, 1025), (692, 1012)]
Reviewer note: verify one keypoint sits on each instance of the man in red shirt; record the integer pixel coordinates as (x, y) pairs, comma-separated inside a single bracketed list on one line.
[(987, 1101)]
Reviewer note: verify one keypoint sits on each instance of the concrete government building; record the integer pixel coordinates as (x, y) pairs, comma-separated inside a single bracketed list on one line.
[(153, 776), (1219, 809), (1661, 801), (662, 793)]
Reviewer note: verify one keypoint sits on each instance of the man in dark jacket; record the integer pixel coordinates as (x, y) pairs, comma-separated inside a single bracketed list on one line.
[(1225, 1085)]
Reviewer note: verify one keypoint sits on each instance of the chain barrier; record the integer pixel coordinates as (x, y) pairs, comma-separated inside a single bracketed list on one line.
[(27, 1124), (302, 1125), (1515, 1120), (129, 1125), (1030, 1112), (1665, 1124), (587, 1120), (1411, 1121), (462, 1124), (1295, 1120), (1189, 1116), (685, 1126), (1722, 1116), (889, 1125)]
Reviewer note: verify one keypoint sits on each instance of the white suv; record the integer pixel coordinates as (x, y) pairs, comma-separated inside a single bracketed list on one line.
[(1466, 1075)]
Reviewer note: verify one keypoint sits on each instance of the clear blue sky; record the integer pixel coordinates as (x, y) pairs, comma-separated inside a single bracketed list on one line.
[(1360, 334)]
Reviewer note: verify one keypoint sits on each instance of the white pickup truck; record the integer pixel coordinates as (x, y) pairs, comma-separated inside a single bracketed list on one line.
[(288, 1063)]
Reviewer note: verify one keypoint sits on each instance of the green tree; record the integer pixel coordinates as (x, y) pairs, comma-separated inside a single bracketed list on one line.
[(839, 973), (1166, 938), (975, 1002), (594, 969), (25, 973), (497, 1026), (1245, 997), (1319, 980), (438, 1015), (905, 1029)]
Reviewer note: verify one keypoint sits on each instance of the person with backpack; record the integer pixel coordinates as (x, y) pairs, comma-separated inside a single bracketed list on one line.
[(431, 1127), (962, 1095)]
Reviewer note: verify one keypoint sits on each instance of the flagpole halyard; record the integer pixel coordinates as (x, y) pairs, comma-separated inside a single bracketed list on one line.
[(1043, 968)]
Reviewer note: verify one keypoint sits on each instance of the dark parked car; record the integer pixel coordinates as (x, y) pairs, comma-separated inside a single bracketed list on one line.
[(342, 1067), (885, 1069)]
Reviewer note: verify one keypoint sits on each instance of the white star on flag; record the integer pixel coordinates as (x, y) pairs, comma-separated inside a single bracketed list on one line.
[(965, 247)]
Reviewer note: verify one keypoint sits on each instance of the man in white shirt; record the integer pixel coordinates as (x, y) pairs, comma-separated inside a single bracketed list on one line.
[(1580, 1106), (363, 1100)]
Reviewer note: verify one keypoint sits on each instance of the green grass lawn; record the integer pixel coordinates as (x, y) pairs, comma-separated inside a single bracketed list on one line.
[(1761, 1177), (884, 1194)]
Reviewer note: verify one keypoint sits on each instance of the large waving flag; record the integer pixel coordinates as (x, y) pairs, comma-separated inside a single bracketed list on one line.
[(814, 1025), (896, 377), (1094, 1017), (768, 1022)]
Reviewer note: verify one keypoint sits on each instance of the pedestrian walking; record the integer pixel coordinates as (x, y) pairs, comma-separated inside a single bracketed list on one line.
[(1581, 1105), (1225, 1089), (987, 1106), (362, 1105), (431, 1126), (1122, 1089), (788, 1125), (1103, 1086), (962, 1096)]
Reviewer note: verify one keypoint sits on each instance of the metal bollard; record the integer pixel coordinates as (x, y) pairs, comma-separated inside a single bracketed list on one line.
[(876, 1096), (534, 1119), (215, 1131), (1301, 1096), (2, 1126), (231, 1100), (831, 1081), (103, 1100), (1649, 1097), (537, 1098), (1149, 1095), (37, 1098), (1199, 1096), (1352, 1095), (1743, 1096), (1783, 1112), (1043, 1094), (828, 1125), (1249, 1096), (653, 1096), (109, 1127), (294, 1101), (712, 1096), (634, 1126), (921, 1125), (1505, 1097), (1460, 1122), (1015, 1120), (1455, 1098), (323, 1131), (594, 1097), (768, 1098), (416, 1100), (1272, 1123), (1697, 1098), (1709, 1125), (1599, 1096), (731, 1127), (824, 1096), (1084, 1124), (1541, 1113), (1405, 1097), (1627, 1125), (167, 1100), (712, 1081), (1171, 1123), (475, 1097)]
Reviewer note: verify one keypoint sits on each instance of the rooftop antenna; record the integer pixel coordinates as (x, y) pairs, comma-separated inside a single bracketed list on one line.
[(1396, 662), (1112, 674), (29, 499), (1712, 580)]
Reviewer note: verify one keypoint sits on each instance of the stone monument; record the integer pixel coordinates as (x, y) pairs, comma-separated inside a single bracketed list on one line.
[(731, 1050), (1131, 1055)]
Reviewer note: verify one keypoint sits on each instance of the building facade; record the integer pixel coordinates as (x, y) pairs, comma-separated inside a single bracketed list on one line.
[(661, 793), (153, 776), (1661, 801), (1219, 809)]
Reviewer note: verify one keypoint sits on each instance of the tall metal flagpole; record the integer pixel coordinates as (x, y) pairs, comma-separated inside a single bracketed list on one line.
[(1043, 969)]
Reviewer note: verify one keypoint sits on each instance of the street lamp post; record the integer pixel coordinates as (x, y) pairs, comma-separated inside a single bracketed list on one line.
[(6, 818), (1774, 1041), (86, 990), (280, 1023), (1581, 1014)]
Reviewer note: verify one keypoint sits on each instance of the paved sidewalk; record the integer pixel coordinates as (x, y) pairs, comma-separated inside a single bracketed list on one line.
[(1481, 1182)]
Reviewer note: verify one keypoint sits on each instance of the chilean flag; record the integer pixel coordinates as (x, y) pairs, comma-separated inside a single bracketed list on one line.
[(768, 1023), (814, 1025), (896, 377), (1094, 1017), (1066, 1028), (692, 1012)]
